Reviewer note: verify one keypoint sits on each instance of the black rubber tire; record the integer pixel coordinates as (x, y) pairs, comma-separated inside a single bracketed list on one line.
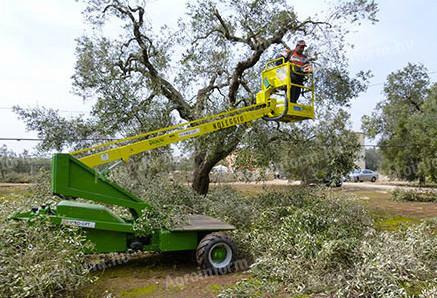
[(136, 246), (203, 253), (373, 179)]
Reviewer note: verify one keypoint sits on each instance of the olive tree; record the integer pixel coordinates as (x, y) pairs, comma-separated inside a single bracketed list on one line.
[(405, 122), (150, 77)]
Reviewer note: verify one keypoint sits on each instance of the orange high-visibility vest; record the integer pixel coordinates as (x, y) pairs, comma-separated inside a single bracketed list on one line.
[(298, 59)]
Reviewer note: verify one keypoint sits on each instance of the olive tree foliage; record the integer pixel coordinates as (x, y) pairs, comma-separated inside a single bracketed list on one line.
[(325, 154), (311, 153), (405, 121), (150, 77)]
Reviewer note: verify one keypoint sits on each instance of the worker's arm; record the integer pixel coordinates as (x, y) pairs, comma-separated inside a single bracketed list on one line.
[(285, 55)]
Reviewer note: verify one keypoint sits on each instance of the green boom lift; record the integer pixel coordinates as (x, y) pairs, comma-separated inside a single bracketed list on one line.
[(74, 175)]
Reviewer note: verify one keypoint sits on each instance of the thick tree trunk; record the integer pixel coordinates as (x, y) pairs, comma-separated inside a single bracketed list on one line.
[(201, 177), (205, 161)]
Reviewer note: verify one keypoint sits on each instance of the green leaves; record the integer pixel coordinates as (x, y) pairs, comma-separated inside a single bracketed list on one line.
[(57, 131), (395, 264), (160, 217), (405, 121), (335, 86), (414, 195), (300, 239), (325, 151), (38, 259)]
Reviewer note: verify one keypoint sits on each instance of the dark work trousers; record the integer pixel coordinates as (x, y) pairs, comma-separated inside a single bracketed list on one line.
[(295, 91)]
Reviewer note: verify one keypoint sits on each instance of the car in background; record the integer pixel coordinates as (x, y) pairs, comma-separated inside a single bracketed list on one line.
[(363, 175), (219, 169)]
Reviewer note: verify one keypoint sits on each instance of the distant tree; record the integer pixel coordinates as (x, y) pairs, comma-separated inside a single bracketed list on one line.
[(6, 156), (406, 123), (372, 159), (20, 167), (142, 80), (184, 164)]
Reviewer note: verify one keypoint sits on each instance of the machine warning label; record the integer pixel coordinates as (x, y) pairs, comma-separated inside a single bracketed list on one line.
[(281, 73), (79, 223), (104, 156), (189, 132), (228, 122)]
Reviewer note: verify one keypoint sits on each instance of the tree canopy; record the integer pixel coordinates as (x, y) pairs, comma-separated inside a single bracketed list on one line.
[(405, 121), (147, 78)]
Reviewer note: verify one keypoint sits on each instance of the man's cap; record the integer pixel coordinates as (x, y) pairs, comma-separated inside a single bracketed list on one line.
[(301, 43)]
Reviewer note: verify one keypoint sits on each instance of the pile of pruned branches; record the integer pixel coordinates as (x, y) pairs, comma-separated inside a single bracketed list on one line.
[(36, 258), (311, 241)]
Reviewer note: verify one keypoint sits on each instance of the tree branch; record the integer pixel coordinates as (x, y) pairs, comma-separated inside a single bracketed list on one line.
[(247, 88), (415, 104), (260, 47), (203, 93), (208, 34), (224, 149), (227, 34), (161, 84)]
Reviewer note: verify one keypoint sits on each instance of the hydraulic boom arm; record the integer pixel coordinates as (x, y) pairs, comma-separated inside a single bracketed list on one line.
[(125, 148)]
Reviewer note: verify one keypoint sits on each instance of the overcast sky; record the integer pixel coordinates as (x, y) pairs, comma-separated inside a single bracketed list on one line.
[(37, 42)]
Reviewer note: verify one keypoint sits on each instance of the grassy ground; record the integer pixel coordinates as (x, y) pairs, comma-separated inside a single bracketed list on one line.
[(177, 275), (390, 215)]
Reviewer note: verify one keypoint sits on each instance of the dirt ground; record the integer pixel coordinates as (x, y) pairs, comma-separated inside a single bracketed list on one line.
[(157, 275), (6, 188), (177, 276)]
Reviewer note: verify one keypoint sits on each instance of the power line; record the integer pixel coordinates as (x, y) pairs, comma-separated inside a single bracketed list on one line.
[(107, 139), (61, 111), (382, 83), (39, 140)]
